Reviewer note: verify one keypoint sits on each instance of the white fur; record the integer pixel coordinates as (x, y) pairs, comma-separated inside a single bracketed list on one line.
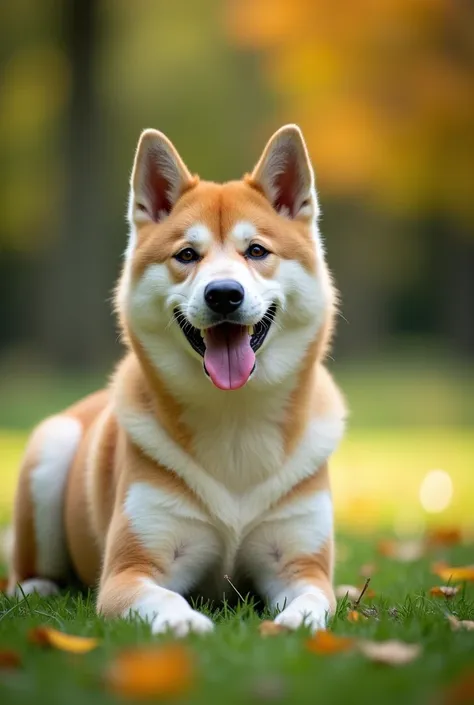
[(43, 587), (242, 234), (199, 236), (310, 608), (60, 438), (166, 610), (173, 529)]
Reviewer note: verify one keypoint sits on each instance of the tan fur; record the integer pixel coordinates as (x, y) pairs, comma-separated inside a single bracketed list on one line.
[(102, 547)]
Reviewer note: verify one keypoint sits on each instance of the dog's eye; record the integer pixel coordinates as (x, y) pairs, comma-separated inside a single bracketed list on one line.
[(187, 255), (256, 252)]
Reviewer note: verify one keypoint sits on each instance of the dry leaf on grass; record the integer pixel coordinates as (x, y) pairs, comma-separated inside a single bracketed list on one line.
[(461, 691), (351, 591), (457, 624), (151, 671), (459, 574), (46, 636), (355, 616), (323, 642), (443, 536), (269, 628), (367, 570), (391, 652), (403, 551), (446, 591), (9, 659)]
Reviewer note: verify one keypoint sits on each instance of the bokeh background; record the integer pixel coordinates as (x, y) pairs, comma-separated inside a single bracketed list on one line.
[(384, 92)]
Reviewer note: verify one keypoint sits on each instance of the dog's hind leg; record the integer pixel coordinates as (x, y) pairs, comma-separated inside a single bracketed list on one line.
[(39, 556)]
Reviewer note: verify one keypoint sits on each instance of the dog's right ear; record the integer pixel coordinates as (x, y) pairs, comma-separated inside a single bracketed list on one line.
[(159, 178)]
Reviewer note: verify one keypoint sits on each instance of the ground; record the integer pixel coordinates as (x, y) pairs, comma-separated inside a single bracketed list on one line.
[(236, 664), (407, 420)]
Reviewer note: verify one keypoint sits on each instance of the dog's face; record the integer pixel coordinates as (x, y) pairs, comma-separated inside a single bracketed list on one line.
[(227, 279)]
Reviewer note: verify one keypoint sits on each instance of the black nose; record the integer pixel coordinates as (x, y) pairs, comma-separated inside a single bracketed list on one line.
[(224, 296)]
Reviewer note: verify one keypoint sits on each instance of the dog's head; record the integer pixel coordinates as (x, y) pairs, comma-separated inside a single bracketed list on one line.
[(227, 280)]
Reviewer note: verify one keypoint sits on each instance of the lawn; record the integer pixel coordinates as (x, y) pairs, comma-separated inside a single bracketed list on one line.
[(236, 664), (407, 421)]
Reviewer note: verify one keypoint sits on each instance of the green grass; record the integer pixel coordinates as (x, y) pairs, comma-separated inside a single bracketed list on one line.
[(236, 665)]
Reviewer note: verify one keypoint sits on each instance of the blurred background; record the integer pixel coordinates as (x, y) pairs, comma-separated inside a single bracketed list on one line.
[(384, 92)]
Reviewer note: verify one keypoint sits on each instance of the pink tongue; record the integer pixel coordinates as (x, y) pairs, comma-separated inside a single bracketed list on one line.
[(229, 359)]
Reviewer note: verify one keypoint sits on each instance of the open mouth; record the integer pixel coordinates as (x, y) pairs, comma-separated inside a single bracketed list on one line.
[(228, 348)]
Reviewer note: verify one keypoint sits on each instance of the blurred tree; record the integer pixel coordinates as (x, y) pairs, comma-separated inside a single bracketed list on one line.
[(384, 91)]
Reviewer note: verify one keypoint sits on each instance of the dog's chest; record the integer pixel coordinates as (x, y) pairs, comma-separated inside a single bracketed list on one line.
[(238, 449)]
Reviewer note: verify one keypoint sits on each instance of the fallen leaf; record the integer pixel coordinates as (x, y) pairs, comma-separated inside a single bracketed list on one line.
[(443, 536), (3, 584), (323, 642), (269, 628), (367, 570), (149, 672), (461, 691), (457, 624), (46, 636), (351, 591), (9, 659), (447, 591), (391, 652), (403, 551), (458, 574), (355, 616)]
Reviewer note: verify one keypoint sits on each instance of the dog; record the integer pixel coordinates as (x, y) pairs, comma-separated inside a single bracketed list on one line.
[(207, 454)]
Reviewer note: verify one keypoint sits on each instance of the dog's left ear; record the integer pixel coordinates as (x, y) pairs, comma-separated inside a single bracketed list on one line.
[(285, 175)]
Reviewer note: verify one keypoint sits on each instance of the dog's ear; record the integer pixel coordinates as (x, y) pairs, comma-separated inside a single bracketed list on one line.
[(285, 175), (159, 178)]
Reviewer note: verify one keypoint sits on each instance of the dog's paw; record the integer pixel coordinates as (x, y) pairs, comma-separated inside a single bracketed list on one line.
[(181, 622), (43, 587), (309, 609)]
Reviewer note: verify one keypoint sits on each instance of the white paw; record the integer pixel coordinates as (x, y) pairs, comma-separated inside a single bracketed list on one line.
[(43, 587), (308, 609), (181, 622)]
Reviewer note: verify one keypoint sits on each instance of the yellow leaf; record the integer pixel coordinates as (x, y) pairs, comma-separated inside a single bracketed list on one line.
[(391, 652), (149, 672), (268, 628), (46, 636), (447, 591), (323, 642), (455, 574), (457, 624)]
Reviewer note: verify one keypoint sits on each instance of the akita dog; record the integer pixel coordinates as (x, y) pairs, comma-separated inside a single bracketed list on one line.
[(207, 455)]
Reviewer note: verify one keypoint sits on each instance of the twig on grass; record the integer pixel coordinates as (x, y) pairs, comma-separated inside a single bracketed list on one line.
[(357, 602), (233, 586)]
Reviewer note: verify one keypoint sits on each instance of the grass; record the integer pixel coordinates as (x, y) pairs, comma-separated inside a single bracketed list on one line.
[(236, 665)]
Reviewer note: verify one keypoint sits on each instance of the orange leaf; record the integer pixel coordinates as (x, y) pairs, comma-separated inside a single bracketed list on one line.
[(457, 624), (149, 672), (444, 536), (455, 574), (461, 692), (323, 642), (46, 636), (354, 616), (447, 591), (268, 628), (391, 652), (9, 659)]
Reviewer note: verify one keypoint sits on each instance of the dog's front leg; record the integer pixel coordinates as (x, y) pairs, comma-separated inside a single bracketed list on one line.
[(137, 580), (290, 556)]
